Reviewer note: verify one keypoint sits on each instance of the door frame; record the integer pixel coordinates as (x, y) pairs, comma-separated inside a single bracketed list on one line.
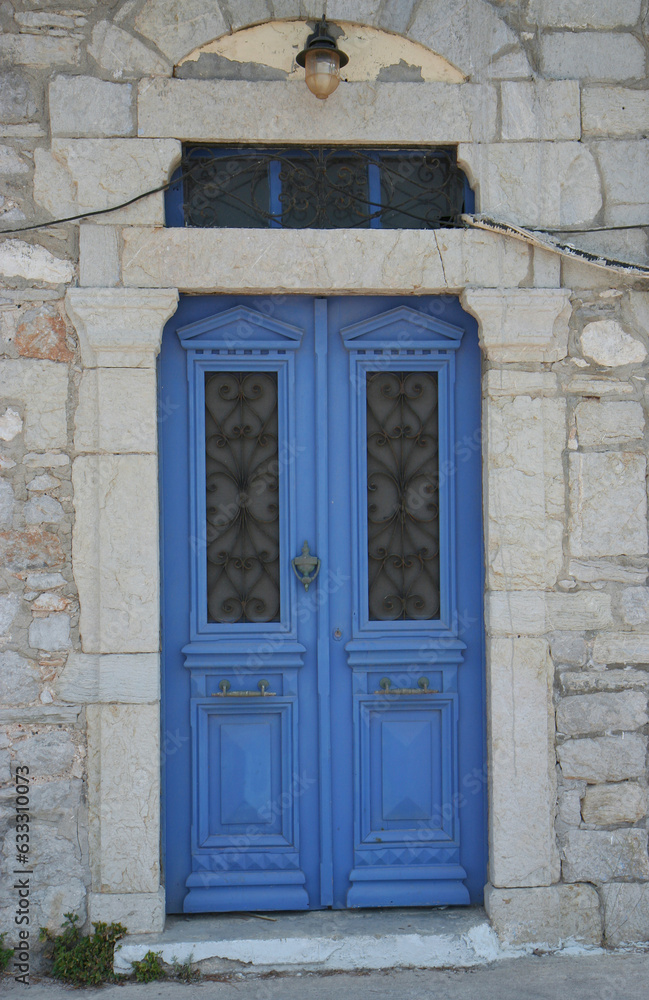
[(121, 328), (514, 291)]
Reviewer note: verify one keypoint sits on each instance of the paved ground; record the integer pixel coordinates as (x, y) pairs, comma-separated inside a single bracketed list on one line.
[(588, 977)]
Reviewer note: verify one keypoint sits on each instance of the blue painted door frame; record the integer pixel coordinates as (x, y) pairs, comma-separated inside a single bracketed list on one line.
[(327, 791)]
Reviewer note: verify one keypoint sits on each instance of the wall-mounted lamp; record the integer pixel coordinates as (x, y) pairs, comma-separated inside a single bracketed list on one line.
[(322, 60)]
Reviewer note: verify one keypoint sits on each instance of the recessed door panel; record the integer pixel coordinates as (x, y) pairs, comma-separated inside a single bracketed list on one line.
[(322, 604)]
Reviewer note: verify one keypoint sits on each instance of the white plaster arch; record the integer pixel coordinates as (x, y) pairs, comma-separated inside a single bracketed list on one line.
[(467, 33)]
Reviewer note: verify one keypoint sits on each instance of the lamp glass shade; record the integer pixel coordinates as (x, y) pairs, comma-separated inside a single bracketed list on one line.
[(322, 71)]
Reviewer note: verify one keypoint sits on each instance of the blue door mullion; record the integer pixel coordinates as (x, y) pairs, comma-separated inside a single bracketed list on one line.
[(323, 626)]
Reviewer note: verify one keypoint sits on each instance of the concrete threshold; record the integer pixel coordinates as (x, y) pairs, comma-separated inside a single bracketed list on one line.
[(322, 940)]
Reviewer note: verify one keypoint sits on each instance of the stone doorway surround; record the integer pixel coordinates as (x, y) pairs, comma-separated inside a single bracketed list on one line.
[(116, 555), (132, 271)]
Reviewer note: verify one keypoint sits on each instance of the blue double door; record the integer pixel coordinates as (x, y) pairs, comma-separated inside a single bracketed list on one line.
[(322, 640)]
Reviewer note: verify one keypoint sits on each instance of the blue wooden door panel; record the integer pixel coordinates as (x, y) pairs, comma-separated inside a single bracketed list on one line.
[(326, 789)]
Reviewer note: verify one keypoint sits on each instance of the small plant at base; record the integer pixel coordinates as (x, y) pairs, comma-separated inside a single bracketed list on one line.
[(5, 954), (149, 968), (184, 971), (83, 959)]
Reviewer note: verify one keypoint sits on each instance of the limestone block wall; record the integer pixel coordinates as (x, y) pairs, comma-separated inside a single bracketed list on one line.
[(549, 113)]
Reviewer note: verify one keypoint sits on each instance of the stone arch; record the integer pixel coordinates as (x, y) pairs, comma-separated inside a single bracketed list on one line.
[(468, 33)]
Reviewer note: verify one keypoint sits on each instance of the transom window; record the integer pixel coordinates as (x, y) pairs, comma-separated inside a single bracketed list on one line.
[(317, 188)]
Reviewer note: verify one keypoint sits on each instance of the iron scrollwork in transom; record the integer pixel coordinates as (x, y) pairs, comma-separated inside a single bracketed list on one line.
[(321, 188)]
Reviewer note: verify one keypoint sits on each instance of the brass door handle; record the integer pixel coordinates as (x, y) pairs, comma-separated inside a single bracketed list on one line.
[(225, 691), (423, 682)]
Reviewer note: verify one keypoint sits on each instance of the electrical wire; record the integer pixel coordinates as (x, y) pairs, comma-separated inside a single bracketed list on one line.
[(536, 238), (532, 237)]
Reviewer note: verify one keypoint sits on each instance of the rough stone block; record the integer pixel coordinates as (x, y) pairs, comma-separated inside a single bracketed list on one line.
[(34, 263), (568, 808), (122, 55), (541, 110), (98, 255), (46, 51), (139, 912), (600, 570), (601, 713), (608, 504), (601, 55), (469, 35), (597, 385), (42, 388), (533, 612), (320, 260), (80, 175), (179, 26), (614, 111), (9, 607), (114, 552), (621, 647), (607, 758), (535, 184), (568, 647), (50, 633), (123, 797), (606, 805), (11, 162), (521, 325), (48, 754), (43, 510), (17, 102), (20, 679), (611, 423), (504, 382), (580, 682), (635, 605), (130, 678), (6, 503), (607, 343), (32, 549), (10, 424), (525, 496), (584, 13), (598, 856), (85, 106), (624, 167), (522, 767), (626, 914), (550, 916), (41, 484), (117, 411), (44, 334), (242, 111)]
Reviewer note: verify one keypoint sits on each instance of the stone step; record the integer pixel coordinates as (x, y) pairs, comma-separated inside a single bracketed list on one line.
[(458, 937)]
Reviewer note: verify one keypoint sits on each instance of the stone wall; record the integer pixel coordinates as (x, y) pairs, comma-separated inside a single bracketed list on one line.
[(550, 124)]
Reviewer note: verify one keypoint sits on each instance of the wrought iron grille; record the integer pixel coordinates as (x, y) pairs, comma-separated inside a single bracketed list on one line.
[(318, 188), (402, 495), (242, 493)]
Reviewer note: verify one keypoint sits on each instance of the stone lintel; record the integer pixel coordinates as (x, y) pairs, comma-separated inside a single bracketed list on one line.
[(328, 261), (118, 327), (246, 111)]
